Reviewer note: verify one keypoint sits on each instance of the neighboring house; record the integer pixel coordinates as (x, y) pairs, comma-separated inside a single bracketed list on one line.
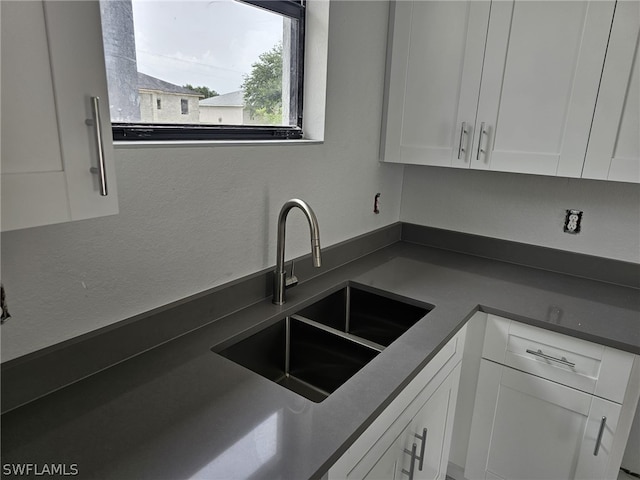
[(226, 109), (164, 102)]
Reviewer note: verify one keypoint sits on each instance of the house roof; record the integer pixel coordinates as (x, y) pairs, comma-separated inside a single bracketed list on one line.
[(231, 99), (147, 82)]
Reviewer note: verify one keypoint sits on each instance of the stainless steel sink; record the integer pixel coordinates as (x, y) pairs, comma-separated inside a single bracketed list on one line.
[(376, 317), (303, 358), (320, 347)]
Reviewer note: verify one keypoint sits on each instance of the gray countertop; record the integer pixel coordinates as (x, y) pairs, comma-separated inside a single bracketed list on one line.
[(182, 411)]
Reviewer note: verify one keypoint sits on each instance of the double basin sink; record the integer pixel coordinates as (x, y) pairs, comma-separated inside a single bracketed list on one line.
[(320, 347)]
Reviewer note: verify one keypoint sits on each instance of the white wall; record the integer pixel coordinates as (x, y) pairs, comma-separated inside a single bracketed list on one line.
[(193, 218), (526, 208)]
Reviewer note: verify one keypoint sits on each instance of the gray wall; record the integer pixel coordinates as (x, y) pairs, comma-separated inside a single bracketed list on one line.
[(526, 208), (193, 218)]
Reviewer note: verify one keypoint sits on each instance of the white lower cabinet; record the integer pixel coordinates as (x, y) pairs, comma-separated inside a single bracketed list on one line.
[(530, 427), (530, 421), (411, 438), (547, 407), (421, 449)]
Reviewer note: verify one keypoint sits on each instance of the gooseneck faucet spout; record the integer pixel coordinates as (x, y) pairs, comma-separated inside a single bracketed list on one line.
[(280, 280)]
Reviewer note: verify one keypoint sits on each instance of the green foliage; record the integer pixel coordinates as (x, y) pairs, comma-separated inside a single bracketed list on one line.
[(206, 91), (263, 116), (263, 86)]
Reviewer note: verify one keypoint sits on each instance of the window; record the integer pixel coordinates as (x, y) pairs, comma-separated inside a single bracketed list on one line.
[(235, 66)]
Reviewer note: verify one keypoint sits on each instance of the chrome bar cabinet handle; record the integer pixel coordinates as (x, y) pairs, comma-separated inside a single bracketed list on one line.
[(562, 360), (603, 423), (423, 439), (463, 134), (96, 122), (411, 452), (482, 132)]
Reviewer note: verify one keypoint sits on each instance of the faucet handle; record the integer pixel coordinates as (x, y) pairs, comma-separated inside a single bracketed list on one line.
[(292, 280)]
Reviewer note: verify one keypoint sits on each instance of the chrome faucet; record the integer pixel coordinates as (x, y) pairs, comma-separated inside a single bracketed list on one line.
[(280, 280)]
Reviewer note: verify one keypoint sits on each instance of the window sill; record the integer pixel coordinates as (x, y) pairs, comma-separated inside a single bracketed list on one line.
[(123, 144)]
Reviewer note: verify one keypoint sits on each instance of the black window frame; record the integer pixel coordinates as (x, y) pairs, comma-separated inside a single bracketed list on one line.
[(295, 9)]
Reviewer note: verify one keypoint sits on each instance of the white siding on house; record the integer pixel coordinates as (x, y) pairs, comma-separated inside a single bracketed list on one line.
[(225, 109), (221, 115)]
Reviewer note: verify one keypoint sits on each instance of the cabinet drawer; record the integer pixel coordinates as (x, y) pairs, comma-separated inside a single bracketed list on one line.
[(579, 364)]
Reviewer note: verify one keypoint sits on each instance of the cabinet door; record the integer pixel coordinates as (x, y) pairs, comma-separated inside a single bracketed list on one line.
[(614, 145), (391, 463), (540, 79), (434, 422), (526, 427), (430, 432), (52, 64), (436, 51), (380, 449)]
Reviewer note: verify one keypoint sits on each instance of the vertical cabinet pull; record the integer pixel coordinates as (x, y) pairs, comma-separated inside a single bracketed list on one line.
[(483, 132), (411, 452), (423, 439), (414, 455), (603, 423), (463, 135), (96, 122)]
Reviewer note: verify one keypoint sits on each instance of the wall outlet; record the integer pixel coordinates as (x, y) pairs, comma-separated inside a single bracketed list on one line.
[(573, 221)]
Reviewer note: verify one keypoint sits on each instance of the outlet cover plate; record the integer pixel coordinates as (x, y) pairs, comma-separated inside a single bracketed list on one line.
[(573, 221)]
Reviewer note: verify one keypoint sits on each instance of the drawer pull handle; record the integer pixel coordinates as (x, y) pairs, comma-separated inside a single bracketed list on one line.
[(603, 423), (562, 360), (411, 452)]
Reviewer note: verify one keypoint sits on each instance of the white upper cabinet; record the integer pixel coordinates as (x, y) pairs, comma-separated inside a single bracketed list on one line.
[(436, 52), (540, 82), (52, 68), (507, 85), (614, 145)]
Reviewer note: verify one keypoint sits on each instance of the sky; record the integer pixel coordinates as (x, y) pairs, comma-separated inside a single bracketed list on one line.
[(202, 42)]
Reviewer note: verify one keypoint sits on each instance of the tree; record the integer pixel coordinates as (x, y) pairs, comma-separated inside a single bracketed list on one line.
[(263, 86), (206, 91)]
